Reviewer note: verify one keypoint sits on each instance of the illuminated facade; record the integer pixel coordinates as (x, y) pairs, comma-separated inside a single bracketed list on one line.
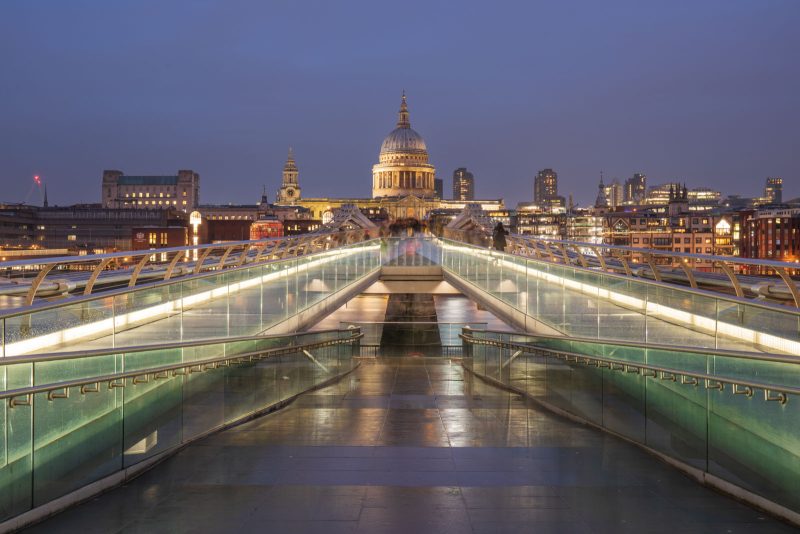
[(772, 234), (403, 167), (635, 189), (403, 182), (290, 188), (181, 191), (463, 184), (545, 186)]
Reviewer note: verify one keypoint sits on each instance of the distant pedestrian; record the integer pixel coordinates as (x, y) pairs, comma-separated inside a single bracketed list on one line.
[(499, 237)]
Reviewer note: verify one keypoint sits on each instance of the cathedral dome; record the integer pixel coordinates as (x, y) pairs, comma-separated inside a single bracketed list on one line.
[(403, 140), (403, 169)]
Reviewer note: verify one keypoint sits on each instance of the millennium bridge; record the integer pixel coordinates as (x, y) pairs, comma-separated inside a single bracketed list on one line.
[(343, 382)]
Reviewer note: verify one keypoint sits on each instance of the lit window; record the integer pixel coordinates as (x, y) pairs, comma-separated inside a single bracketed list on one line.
[(72, 237), (184, 202)]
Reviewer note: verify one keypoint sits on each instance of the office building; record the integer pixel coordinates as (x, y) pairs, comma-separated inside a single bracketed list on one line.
[(180, 191), (635, 189), (773, 191), (614, 194), (438, 186), (545, 186), (463, 184)]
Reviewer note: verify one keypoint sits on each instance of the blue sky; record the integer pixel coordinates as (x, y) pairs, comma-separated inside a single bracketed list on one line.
[(706, 92)]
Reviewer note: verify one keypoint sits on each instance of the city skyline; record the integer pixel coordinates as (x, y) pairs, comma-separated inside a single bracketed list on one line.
[(230, 105)]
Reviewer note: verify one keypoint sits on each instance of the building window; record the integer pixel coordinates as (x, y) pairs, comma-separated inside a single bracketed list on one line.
[(72, 237), (151, 238)]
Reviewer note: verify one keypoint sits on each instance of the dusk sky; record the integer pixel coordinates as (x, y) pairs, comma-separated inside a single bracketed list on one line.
[(706, 92)]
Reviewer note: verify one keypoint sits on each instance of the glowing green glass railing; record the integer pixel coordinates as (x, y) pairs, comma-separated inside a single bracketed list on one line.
[(72, 419), (237, 301), (730, 417), (583, 302)]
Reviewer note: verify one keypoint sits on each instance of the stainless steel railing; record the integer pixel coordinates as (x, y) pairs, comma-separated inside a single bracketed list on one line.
[(723, 274), (35, 278), (738, 386), (60, 390)]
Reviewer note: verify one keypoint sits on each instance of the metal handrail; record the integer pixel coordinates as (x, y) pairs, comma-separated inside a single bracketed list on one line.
[(658, 252), (412, 322), (659, 372), (742, 354), (93, 353), (556, 251), (135, 253), (292, 245), (47, 305), (691, 291), (160, 372)]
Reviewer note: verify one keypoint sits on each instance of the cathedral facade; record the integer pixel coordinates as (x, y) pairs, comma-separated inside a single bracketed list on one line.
[(403, 180), (403, 167)]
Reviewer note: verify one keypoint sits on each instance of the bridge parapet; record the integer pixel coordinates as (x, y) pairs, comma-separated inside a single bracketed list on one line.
[(748, 278)]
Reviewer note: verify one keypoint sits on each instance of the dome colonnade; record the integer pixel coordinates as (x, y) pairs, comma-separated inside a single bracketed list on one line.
[(403, 167)]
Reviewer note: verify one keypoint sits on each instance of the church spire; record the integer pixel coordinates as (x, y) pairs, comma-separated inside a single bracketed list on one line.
[(602, 201), (402, 120), (290, 163)]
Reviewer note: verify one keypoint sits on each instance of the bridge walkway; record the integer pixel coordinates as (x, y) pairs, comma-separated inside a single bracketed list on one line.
[(411, 445)]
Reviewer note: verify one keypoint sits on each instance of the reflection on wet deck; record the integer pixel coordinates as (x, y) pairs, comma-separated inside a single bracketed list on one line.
[(411, 445)]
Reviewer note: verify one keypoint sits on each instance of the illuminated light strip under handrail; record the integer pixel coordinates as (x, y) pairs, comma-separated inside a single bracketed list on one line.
[(680, 259), (728, 353), (165, 309), (205, 342), (103, 260), (114, 378), (523, 244), (768, 388), (651, 309)]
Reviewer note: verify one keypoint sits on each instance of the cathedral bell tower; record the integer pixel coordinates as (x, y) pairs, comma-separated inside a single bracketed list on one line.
[(289, 193)]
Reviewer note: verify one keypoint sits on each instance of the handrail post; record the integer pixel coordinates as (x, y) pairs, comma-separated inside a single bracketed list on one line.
[(199, 265), (652, 263), (689, 275), (789, 284), (732, 277), (581, 257), (97, 270), (600, 258), (224, 257), (37, 282), (138, 269), (172, 264), (245, 251)]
